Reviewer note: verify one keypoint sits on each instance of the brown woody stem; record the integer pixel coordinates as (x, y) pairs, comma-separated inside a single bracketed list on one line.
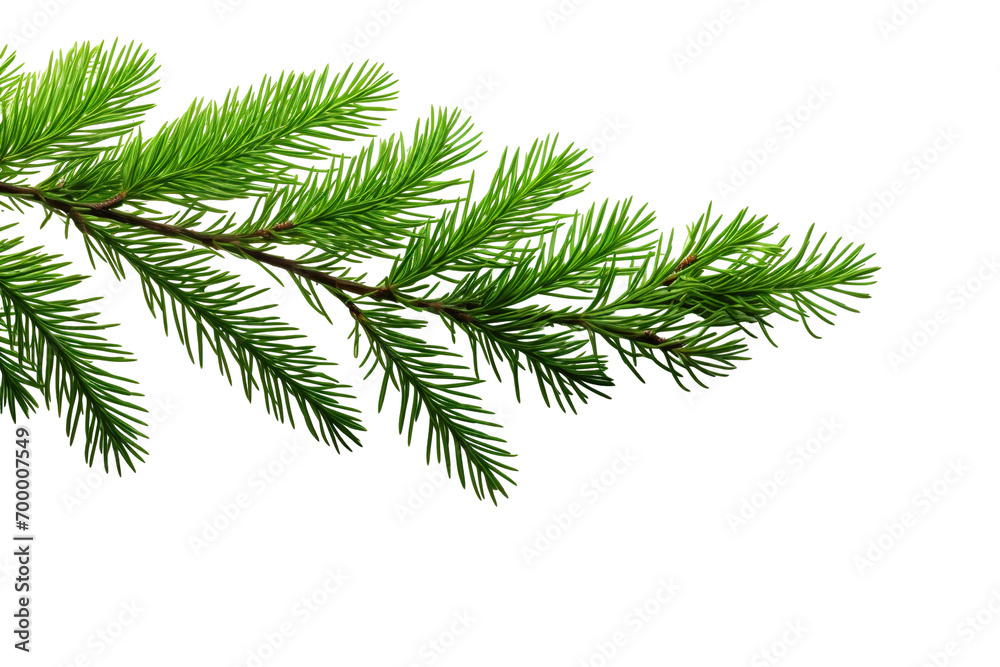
[(107, 210)]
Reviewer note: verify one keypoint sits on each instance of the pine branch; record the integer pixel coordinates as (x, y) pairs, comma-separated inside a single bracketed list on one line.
[(456, 423), (75, 212), (67, 351), (365, 206), (16, 383), (592, 245), (553, 358), (8, 73), (533, 287), (209, 310), (485, 234), (691, 348), (241, 147), (65, 113), (795, 285)]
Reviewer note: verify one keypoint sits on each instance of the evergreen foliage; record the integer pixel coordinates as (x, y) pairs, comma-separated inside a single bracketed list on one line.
[(534, 286)]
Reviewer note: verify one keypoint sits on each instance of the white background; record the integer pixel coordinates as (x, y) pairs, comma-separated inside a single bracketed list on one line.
[(607, 75)]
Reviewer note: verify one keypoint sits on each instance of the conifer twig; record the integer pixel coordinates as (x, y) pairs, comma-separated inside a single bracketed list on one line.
[(531, 283)]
